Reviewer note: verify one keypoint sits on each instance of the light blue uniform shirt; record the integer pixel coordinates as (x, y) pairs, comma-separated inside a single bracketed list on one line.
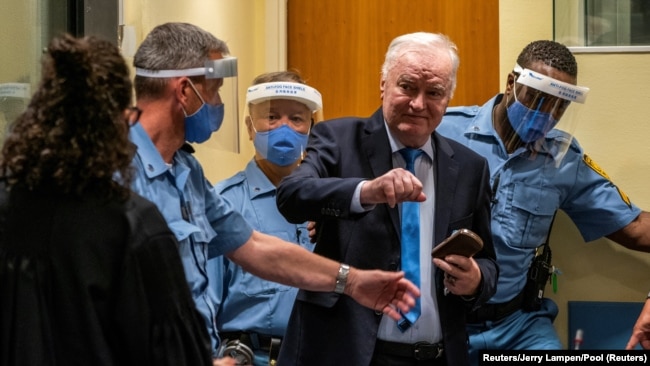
[(247, 302), (204, 224), (530, 189)]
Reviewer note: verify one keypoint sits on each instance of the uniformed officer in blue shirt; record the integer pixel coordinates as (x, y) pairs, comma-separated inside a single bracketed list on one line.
[(253, 313), (535, 170)]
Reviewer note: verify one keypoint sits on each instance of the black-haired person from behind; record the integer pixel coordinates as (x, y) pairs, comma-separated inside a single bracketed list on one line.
[(89, 272)]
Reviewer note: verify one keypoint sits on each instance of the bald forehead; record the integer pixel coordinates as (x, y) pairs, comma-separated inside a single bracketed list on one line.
[(428, 64)]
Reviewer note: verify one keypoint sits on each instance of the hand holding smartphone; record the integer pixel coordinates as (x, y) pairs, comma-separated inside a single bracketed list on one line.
[(461, 242)]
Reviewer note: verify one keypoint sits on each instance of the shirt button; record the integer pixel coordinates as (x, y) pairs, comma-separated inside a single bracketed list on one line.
[(150, 167)]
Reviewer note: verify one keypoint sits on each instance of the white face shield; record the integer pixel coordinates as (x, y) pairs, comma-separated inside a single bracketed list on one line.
[(281, 115), (267, 92), (226, 69), (270, 104), (542, 104)]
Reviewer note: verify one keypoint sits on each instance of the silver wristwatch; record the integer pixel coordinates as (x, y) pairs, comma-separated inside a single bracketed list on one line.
[(342, 278)]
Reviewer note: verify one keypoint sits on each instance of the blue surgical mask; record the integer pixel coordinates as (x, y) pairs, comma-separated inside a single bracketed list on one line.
[(281, 146), (530, 125), (200, 125)]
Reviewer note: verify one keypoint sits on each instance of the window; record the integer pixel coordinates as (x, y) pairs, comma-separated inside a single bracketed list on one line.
[(603, 25), (29, 25)]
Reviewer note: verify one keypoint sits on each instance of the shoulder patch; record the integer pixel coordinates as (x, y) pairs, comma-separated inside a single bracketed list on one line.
[(595, 167)]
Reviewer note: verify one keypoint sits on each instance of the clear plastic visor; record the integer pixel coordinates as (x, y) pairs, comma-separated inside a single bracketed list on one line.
[(539, 102), (271, 105), (279, 117), (227, 138), (542, 104)]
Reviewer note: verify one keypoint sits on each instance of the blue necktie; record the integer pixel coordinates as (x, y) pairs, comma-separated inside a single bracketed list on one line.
[(410, 241)]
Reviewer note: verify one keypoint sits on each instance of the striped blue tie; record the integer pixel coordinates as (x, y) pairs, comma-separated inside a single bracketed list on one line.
[(410, 242)]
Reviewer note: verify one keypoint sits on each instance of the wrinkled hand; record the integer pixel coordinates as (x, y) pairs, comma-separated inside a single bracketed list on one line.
[(226, 361), (396, 186), (382, 291), (641, 330), (462, 274)]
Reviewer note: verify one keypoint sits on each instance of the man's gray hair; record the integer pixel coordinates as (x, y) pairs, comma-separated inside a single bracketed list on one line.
[(421, 39), (173, 46)]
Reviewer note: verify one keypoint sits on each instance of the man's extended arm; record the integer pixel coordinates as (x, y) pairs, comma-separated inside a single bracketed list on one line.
[(635, 235), (276, 260)]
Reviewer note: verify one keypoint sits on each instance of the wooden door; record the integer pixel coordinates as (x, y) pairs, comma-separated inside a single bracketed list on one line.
[(338, 46)]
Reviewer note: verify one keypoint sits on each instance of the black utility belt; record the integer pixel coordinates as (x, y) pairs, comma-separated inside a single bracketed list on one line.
[(418, 351), (494, 312)]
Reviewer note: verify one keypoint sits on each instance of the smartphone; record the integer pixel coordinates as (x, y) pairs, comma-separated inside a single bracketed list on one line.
[(463, 242)]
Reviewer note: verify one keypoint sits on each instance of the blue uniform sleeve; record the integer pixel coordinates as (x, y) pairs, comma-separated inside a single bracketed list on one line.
[(597, 206), (232, 229)]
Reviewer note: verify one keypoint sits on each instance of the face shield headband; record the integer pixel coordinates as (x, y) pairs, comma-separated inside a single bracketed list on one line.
[(213, 69), (285, 90), (550, 86)]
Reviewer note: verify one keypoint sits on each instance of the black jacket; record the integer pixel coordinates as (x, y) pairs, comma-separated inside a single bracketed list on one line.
[(86, 282)]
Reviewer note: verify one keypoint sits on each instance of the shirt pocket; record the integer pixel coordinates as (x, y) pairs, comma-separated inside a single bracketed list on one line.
[(533, 209), (199, 218)]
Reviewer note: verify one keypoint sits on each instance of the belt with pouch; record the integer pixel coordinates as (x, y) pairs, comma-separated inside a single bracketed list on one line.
[(418, 351)]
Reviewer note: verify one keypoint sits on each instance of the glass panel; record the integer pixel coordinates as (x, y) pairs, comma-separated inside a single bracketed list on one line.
[(616, 25), (20, 49), (27, 28), (608, 23)]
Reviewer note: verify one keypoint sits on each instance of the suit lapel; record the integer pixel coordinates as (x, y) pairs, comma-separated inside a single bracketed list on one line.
[(445, 181), (376, 148)]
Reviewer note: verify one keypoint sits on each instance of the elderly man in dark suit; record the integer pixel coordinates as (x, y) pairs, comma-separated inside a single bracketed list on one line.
[(352, 183)]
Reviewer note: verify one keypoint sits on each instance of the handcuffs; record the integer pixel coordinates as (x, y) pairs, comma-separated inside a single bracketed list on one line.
[(236, 349), (244, 355)]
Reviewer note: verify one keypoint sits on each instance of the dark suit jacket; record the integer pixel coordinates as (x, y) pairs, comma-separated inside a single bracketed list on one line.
[(330, 329)]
